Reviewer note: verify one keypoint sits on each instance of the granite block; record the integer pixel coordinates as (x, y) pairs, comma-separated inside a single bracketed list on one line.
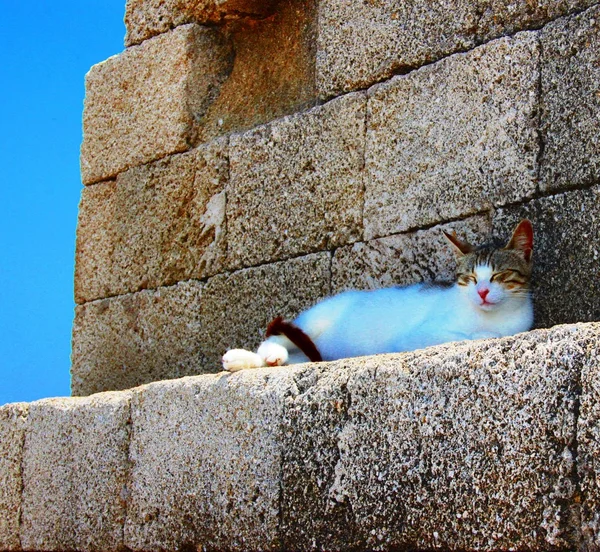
[(145, 103), (206, 463), (454, 138), (296, 184), (13, 418), (465, 446), (361, 43), (154, 226), (75, 469), (133, 339), (571, 101)]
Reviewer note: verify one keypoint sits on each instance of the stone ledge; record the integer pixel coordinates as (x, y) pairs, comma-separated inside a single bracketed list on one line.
[(470, 445)]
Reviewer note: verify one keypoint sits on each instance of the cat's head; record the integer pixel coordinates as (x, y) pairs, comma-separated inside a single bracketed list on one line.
[(490, 276)]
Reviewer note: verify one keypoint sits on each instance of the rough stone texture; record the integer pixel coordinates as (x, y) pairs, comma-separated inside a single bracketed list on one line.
[(236, 308), (12, 435), (453, 138), (273, 72), (566, 254), (147, 336), (571, 96), (146, 18), (466, 446), (156, 225), (364, 42), (296, 184), (75, 472), (423, 256), (588, 450), (145, 103), (206, 461)]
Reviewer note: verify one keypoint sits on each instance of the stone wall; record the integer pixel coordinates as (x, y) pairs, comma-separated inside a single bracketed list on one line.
[(197, 226), (470, 446)]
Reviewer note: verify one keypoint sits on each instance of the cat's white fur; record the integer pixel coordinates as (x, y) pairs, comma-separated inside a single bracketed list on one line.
[(356, 323)]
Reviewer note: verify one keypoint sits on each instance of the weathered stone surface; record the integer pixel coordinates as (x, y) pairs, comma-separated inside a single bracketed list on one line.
[(361, 43), (145, 103), (75, 473), (12, 435), (147, 336), (206, 463), (423, 256), (156, 225), (273, 72), (453, 138), (566, 254), (571, 100), (588, 449), (466, 446), (237, 307), (146, 18), (296, 184)]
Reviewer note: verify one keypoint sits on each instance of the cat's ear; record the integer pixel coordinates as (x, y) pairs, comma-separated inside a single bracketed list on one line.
[(460, 247), (522, 239)]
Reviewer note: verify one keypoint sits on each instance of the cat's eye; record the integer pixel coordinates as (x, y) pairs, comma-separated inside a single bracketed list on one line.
[(506, 276), (465, 279)]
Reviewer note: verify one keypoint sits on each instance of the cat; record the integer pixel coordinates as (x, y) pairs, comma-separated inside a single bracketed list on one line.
[(490, 298)]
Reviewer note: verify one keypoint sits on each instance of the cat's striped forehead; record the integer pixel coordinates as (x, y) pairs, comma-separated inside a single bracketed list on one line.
[(496, 259)]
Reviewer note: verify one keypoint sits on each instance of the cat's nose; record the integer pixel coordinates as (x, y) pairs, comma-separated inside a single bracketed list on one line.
[(483, 292)]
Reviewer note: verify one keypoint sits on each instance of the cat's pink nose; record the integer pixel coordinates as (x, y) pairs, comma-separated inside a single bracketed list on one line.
[(483, 292)]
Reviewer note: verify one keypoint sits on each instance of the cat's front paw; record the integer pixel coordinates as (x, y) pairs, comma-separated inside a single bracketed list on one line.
[(240, 359), (273, 354)]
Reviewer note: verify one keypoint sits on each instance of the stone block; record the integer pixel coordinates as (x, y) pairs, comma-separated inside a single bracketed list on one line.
[(145, 103), (566, 229), (155, 225), (206, 463), (465, 446), (454, 138), (13, 418), (588, 450), (361, 43), (402, 259), (273, 51), (75, 472), (571, 101), (237, 307), (296, 184), (147, 18), (126, 341)]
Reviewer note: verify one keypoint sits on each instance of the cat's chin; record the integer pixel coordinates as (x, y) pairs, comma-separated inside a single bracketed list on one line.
[(487, 307)]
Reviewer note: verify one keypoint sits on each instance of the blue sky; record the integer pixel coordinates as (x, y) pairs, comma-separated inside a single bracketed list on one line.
[(45, 50)]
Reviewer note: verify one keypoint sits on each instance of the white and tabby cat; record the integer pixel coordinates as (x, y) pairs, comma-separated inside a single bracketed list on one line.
[(490, 298)]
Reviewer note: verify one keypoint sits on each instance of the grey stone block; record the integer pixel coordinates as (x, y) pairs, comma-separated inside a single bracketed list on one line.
[(453, 138), (566, 229), (13, 418), (361, 43), (296, 184), (146, 18), (156, 225), (423, 256), (588, 449), (75, 471), (125, 341), (466, 446), (571, 99), (206, 463), (146, 102), (237, 307)]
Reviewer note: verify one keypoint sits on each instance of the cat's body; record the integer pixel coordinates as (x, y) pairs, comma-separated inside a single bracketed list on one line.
[(489, 299)]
